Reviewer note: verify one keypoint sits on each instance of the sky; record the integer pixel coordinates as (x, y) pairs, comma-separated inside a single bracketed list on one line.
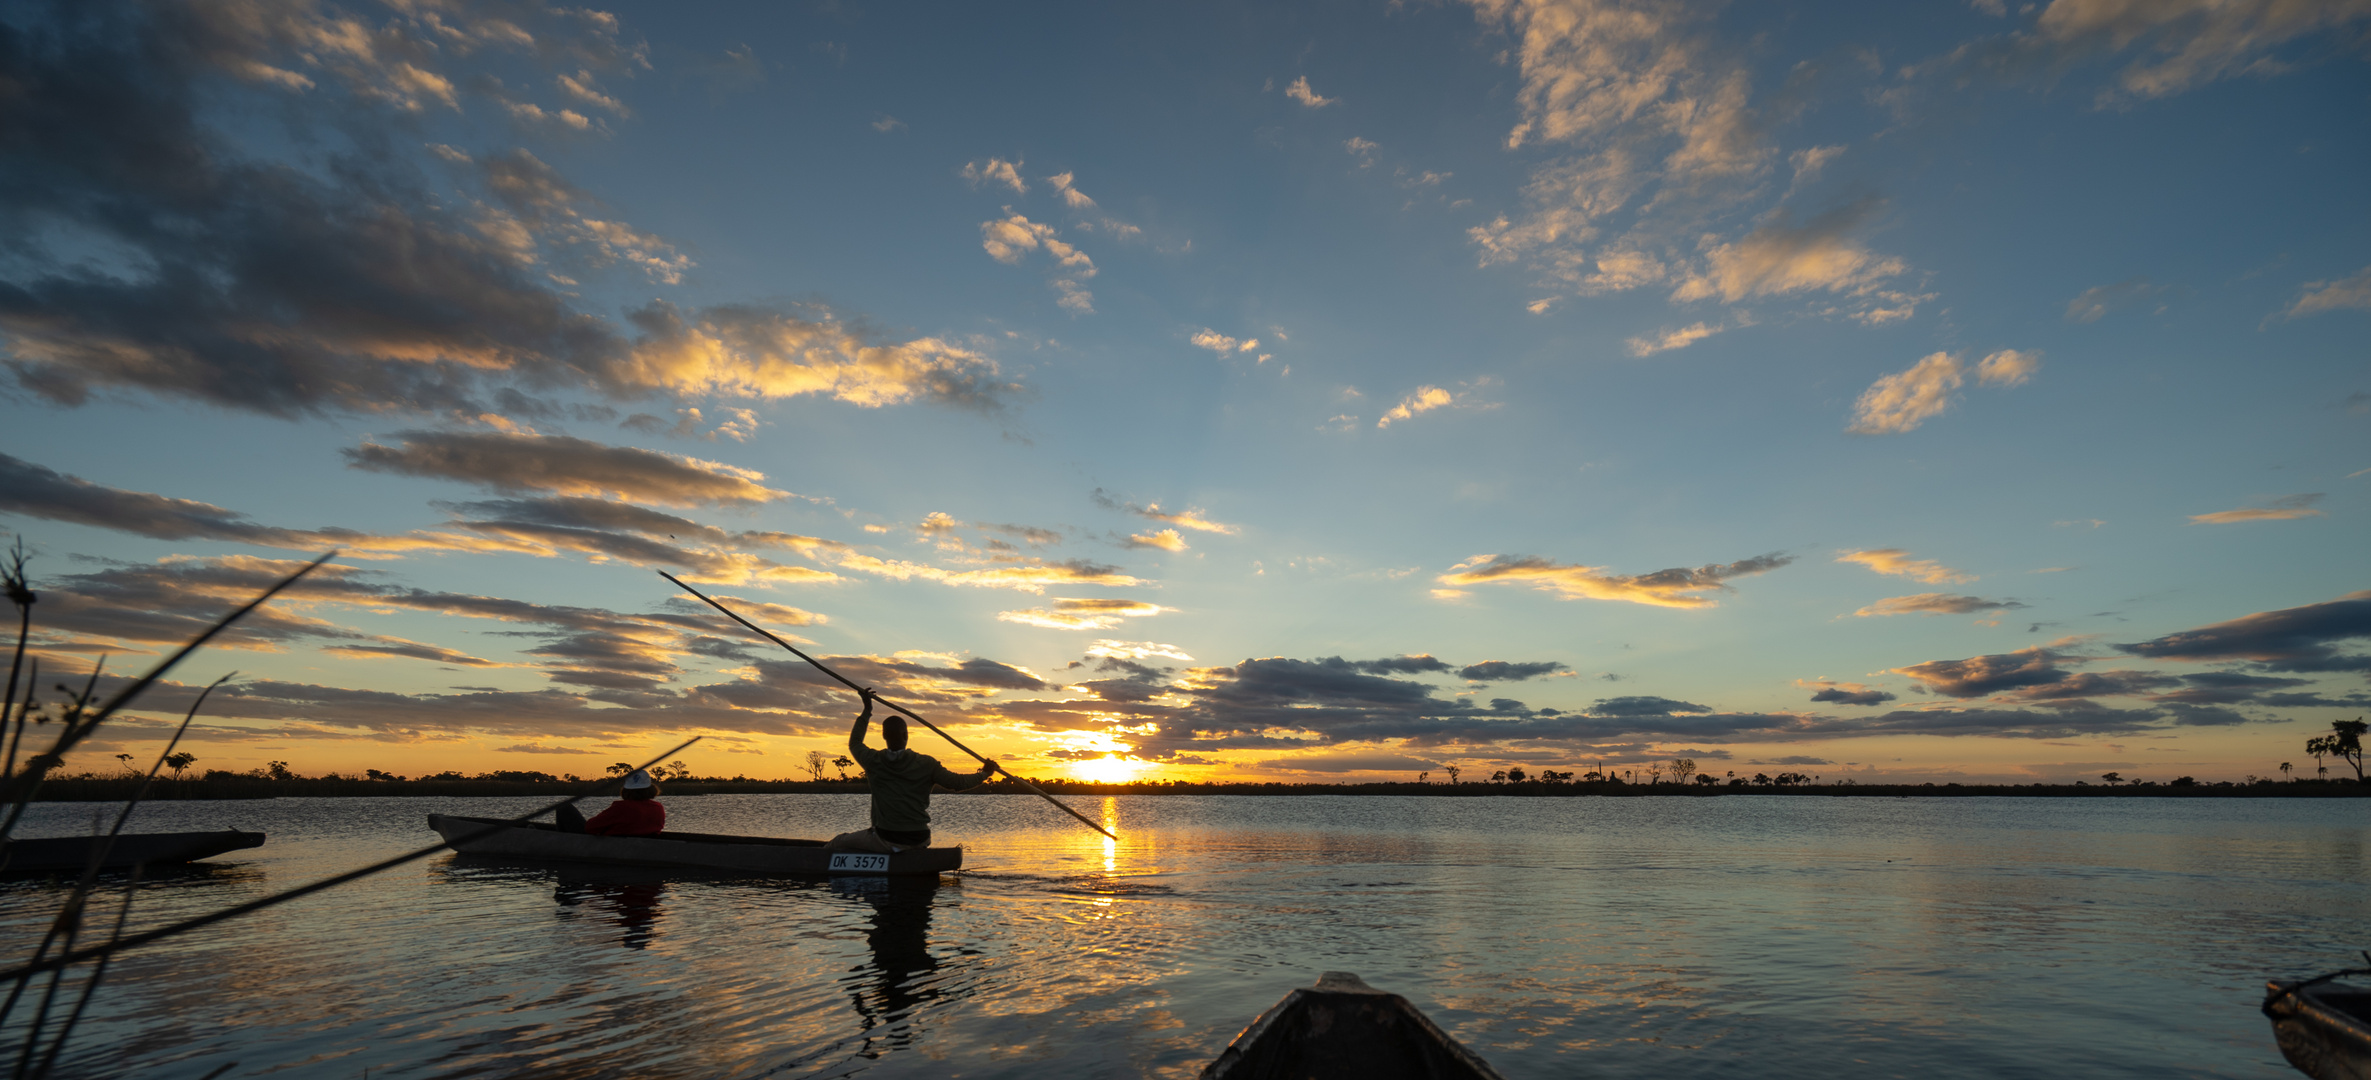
[(1957, 392)]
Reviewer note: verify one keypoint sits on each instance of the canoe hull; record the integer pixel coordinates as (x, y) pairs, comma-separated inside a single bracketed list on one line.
[(1343, 1029), (760, 855), (72, 853), (2324, 1029)]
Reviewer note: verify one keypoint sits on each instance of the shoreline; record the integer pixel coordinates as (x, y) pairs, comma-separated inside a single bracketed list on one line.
[(97, 789)]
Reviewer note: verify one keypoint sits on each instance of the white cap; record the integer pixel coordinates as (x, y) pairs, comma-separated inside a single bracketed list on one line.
[(637, 779)]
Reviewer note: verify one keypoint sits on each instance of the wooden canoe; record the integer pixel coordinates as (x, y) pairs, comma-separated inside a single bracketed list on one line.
[(704, 851), (1343, 1029), (2324, 1027), (72, 853)]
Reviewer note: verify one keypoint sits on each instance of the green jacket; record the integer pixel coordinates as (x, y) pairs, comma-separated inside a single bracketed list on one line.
[(901, 781)]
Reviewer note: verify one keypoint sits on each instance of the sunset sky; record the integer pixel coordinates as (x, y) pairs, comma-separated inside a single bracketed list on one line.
[(1958, 391)]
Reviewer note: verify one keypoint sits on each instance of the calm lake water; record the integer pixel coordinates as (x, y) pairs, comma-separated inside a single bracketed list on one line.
[(1785, 937)]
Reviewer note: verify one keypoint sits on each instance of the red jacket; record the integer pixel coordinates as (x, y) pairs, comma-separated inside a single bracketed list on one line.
[(629, 817)]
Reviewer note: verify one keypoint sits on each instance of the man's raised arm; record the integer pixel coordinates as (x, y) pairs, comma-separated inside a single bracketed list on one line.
[(863, 721)]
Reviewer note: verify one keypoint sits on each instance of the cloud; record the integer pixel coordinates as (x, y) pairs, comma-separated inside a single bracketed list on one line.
[(1935, 604), (1011, 239), (348, 283), (632, 533), (413, 650), (2097, 301), (2297, 639), (2186, 42), (1071, 196), (2343, 293), (1644, 706), (1979, 676), (1898, 563), (1835, 693), (1422, 399), (1082, 614), (1350, 763), (1299, 91), (563, 465), (1678, 587), (38, 491), (1778, 258), (1899, 402), (1672, 339), (1509, 671), (997, 171), (2285, 508), (1363, 150), (1166, 540), (1221, 344), (887, 123), (2008, 367), (1027, 576), (1191, 518)]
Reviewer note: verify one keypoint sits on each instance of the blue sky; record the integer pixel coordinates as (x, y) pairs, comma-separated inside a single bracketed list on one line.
[(1945, 392)]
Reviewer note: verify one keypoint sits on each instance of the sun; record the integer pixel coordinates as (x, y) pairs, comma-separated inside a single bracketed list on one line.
[(1107, 770)]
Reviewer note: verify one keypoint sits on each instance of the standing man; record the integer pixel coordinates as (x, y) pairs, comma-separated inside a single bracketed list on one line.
[(901, 780)]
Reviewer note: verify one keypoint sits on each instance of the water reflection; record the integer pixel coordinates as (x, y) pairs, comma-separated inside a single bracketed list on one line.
[(899, 981), (632, 905)]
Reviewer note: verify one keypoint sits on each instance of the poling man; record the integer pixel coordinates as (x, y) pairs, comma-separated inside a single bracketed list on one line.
[(901, 780)]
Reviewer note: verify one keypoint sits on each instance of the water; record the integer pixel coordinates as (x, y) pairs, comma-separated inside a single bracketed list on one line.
[(1785, 936)]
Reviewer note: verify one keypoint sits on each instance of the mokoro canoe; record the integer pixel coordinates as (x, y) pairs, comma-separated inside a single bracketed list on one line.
[(704, 851), (1343, 1029), (72, 853), (2324, 1027)]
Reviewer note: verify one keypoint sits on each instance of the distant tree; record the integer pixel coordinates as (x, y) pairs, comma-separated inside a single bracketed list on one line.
[(1424, 778), (2285, 766), (1790, 779), (620, 769), (2182, 781), (278, 770), (1516, 775), (1452, 770), (1554, 777), (842, 763), (1707, 779), (1762, 779), (673, 770), (127, 762), (2344, 742), (816, 760), (375, 774), (2114, 779), (1681, 769), (1499, 777), (1736, 780), (179, 761), (1592, 776), (448, 774), (1654, 771)]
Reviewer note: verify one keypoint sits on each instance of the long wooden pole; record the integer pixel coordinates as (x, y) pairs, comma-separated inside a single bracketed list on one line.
[(909, 713)]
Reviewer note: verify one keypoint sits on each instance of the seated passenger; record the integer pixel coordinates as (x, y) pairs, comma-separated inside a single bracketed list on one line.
[(638, 814)]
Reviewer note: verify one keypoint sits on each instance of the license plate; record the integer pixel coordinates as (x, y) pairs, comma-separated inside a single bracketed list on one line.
[(854, 862)]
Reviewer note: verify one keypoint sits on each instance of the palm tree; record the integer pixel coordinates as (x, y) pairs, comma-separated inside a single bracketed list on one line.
[(2284, 771)]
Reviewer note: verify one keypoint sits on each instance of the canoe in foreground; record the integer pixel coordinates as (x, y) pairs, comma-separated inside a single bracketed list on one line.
[(1343, 1029), (703, 851), (2324, 1027), (70, 853)]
